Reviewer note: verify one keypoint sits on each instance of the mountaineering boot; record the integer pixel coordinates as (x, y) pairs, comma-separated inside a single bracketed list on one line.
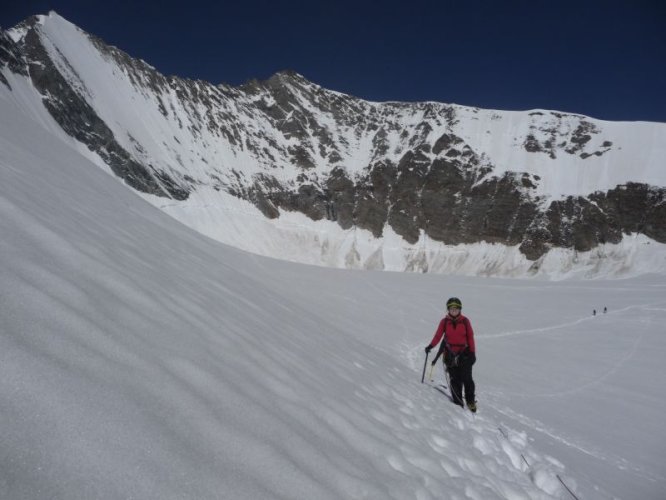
[(472, 407)]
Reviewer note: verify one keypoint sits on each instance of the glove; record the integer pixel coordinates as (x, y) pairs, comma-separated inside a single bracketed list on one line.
[(428, 349), (472, 358)]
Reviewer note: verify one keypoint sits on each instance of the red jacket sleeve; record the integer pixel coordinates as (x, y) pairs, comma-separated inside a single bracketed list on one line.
[(438, 334), (470, 336)]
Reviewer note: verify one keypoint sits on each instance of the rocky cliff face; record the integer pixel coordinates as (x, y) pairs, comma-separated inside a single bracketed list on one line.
[(450, 173)]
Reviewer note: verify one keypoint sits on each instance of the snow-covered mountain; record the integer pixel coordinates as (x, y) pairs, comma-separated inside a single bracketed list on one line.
[(140, 359), (288, 169)]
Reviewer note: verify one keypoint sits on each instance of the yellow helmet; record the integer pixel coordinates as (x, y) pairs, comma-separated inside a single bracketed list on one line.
[(453, 302)]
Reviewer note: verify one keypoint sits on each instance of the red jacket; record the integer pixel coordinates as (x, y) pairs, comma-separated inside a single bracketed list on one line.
[(459, 333)]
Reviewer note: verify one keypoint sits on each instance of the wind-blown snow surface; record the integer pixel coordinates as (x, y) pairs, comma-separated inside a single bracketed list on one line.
[(139, 359)]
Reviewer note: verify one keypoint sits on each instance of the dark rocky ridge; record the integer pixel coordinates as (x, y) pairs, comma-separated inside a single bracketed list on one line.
[(79, 120), (435, 185), (10, 57)]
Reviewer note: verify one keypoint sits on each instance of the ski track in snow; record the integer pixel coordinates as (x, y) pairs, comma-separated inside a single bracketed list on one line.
[(536, 426), (492, 396), (560, 326), (489, 398), (580, 388)]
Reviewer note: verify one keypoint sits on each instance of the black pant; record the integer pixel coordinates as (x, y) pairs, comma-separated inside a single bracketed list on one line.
[(461, 376)]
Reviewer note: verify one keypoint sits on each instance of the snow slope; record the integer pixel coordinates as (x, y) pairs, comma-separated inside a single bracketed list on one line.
[(139, 359)]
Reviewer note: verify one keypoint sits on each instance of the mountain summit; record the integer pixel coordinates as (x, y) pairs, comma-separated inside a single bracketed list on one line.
[(286, 168)]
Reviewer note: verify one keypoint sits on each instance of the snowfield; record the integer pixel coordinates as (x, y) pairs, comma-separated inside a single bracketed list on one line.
[(140, 359)]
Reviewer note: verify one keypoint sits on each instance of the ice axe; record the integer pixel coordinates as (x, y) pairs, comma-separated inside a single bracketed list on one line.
[(424, 366)]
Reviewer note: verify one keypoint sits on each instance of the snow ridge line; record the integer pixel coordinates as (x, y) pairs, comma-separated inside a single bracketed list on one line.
[(499, 428)]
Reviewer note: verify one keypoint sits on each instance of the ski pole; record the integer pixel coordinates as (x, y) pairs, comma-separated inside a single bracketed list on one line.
[(424, 367), (432, 367)]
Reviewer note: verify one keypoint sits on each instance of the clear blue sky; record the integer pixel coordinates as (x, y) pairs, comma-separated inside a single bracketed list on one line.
[(605, 59)]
